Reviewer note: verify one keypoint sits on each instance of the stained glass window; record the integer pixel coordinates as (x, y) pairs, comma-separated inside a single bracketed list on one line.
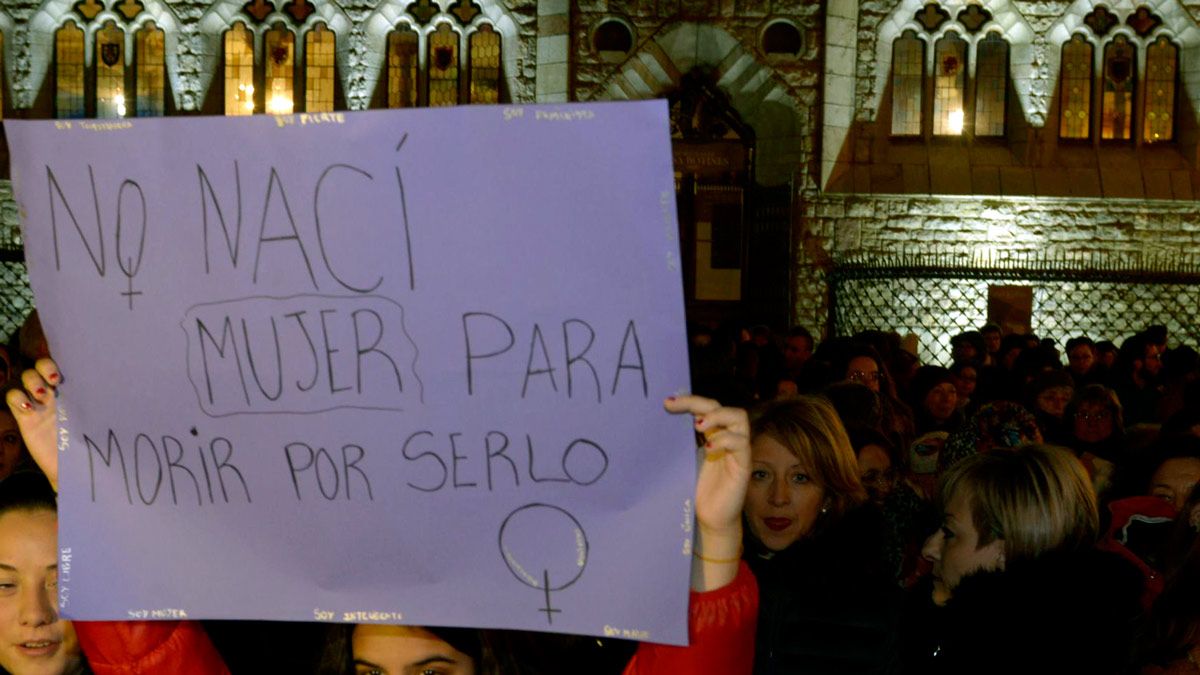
[(279, 51), (1162, 60), (908, 84), (239, 70), (150, 71), (443, 66), (991, 84), (68, 71), (484, 53), (110, 71), (402, 68), (318, 69), (1075, 97), (950, 85), (1116, 113)]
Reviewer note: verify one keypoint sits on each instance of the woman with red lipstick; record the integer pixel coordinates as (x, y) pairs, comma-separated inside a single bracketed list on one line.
[(827, 602), (1019, 586)]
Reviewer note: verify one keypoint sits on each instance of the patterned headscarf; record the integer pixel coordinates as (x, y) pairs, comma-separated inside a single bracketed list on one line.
[(1000, 424)]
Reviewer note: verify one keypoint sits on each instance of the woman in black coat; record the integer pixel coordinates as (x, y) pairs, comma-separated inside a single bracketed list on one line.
[(827, 600)]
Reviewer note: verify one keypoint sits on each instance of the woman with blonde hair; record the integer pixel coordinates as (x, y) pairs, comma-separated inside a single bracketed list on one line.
[(827, 604), (1019, 584)]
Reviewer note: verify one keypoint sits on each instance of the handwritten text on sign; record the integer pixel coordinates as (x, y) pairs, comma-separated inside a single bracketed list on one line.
[(389, 366)]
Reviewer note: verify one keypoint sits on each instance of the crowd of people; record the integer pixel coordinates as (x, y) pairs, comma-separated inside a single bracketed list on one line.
[(1022, 509)]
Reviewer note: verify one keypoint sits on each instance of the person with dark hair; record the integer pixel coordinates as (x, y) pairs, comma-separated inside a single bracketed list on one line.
[(1096, 424), (935, 400), (1082, 361), (1047, 396), (991, 341), (857, 406), (966, 380), (1106, 354), (859, 362), (967, 346), (797, 349), (1136, 379)]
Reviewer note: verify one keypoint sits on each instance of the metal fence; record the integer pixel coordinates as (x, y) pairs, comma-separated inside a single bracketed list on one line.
[(16, 300), (936, 296)]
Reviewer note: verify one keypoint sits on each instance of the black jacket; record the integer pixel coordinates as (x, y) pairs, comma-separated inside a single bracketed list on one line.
[(828, 604), (1060, 614)]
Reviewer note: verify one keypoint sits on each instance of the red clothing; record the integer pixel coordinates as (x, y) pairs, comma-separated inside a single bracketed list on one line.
[(148, 648), (721, 627)]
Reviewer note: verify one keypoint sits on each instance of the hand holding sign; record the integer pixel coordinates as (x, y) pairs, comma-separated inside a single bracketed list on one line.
[(36, 411), (356, 356)]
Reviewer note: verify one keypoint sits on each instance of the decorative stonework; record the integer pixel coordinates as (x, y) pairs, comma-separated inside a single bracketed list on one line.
[(1041, 84), (358, 94), (23, 89)]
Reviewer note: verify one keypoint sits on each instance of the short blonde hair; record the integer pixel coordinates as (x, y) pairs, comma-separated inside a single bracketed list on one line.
[(809, 427), (1036, 498)]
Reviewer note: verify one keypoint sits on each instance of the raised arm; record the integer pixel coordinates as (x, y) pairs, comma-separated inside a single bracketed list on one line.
[(721, 484)]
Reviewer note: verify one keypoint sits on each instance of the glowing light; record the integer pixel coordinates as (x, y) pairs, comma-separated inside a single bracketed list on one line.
[(955, 121), (119, 102), (280, 102), (246, 96)]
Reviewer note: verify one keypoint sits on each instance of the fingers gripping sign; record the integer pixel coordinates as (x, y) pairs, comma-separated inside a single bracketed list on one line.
[(36, 410), (721, 483)]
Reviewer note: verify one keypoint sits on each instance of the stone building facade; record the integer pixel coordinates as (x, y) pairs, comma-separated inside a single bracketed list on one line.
[(786, 124)]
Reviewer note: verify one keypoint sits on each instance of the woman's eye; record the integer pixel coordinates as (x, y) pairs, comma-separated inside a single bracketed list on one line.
[(799, 478), (947, 533), (758, 474)]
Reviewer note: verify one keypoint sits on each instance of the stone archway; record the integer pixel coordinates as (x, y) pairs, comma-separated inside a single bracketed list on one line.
[(758, 96)]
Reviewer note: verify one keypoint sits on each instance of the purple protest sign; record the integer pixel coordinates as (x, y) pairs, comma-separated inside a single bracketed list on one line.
[(394, 366)]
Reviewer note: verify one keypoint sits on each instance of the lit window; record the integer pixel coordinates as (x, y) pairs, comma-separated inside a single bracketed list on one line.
[(443, 66), (485, 65), (110, 71), (150, 71), (1075, 97), (1162, 59), (279, 49), (68, 71), (402, 68), (950, 85), (908, 84), (1116, 113), (991, 84), (318, 68), (239, 70)]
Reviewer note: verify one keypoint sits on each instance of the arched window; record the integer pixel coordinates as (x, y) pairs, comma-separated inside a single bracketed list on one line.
[(950, 85), (1162, 60), (110, 71), (991, 84), (1075, 97), (68, 72), (1116, 111), (484, 54), (612, 37), (908, 84), (443, 66), (279, 50), (782, 38), (319, 69), (150, 70), (239, 70), (402, 68)]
